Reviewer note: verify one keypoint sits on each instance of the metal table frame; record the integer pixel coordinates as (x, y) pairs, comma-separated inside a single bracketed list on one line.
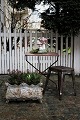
[(27, 54)]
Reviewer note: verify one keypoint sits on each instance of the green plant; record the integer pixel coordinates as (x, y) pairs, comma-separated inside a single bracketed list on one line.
[(32, 78), (17, 77)]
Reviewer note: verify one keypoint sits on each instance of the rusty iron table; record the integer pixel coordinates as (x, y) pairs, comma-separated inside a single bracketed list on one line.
[(27, 54), (41, 54)]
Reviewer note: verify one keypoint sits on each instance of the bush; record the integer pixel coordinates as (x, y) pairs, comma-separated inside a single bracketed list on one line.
[(17, 77)]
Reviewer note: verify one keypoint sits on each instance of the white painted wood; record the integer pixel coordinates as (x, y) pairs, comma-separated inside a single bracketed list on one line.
[(72, 52), (77, 54), (20, 51), (59, 63), (64, 58), (3, 63), (41, 63), (13, 60), (5, 49), (7, 61), (23, 59), (56, 49), (67, 51), (51, 40), (26, 35), (0, 48), (10, 49), (36, 38), (34, 63), (15, 47), (17, 56), (61, 50), (30, 39), (69, 56), (25, 50)]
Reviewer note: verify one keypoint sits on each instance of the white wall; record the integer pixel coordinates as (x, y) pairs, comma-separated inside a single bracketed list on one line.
[(77, 54)]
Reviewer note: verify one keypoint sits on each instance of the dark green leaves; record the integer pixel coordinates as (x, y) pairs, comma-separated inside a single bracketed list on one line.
[(17, 77)]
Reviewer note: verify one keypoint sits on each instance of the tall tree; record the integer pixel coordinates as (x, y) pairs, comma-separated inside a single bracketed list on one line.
[(21, 4), (62, 15)]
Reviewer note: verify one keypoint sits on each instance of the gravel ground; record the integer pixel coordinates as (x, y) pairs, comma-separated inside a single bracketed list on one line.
[(50, 109)]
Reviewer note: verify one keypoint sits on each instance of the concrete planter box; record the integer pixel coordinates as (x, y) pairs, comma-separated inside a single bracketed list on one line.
[(24, 92)]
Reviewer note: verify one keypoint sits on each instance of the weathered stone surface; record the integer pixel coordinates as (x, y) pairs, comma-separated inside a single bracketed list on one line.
[(23, 91), (50, 109)]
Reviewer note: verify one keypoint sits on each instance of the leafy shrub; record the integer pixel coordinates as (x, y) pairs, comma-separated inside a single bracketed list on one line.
[(17, 77)]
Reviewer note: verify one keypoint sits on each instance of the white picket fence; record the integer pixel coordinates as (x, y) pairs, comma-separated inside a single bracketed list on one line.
[(13, 47)]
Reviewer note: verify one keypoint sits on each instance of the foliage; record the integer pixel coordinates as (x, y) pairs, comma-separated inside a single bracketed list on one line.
[(21, 4), (62, 15), (17, 77), (33, 78), (34, 50)]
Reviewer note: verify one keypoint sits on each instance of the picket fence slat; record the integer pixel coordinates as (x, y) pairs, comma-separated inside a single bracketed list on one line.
[(18, 58), (4, 49), (13, 59), (7, 61), (13, 47), (0, 48), (3, 64), (10, 49), (23, 59), (20, 51)]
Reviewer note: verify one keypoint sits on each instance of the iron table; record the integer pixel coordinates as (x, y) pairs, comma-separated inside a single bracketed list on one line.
[(27, 54), (41, 54)]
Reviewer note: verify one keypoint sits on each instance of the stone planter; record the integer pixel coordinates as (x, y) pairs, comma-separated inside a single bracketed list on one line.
[(24, 92)]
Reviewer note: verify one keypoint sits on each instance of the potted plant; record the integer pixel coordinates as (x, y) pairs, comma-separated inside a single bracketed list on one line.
[(24, 86)]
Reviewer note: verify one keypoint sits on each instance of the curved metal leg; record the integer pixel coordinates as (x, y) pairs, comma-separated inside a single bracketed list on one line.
[(47, 80), (60, 84), (73, 80)]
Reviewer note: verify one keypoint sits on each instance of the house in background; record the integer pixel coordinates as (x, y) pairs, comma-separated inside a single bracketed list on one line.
[(9, 61), (6, 15), (21, 19)]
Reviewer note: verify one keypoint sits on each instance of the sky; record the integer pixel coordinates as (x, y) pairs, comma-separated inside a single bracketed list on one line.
[(39, 9)]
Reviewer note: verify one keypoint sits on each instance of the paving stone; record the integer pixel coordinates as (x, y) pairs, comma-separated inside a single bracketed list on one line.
[(50, 109)]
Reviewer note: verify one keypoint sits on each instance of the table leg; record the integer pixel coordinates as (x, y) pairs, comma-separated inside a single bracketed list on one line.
[(33, 65), (42, 73), (39, 65), (50, 65)]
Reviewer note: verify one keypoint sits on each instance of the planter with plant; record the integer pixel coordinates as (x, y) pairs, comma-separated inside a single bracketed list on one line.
[(24, 86)]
